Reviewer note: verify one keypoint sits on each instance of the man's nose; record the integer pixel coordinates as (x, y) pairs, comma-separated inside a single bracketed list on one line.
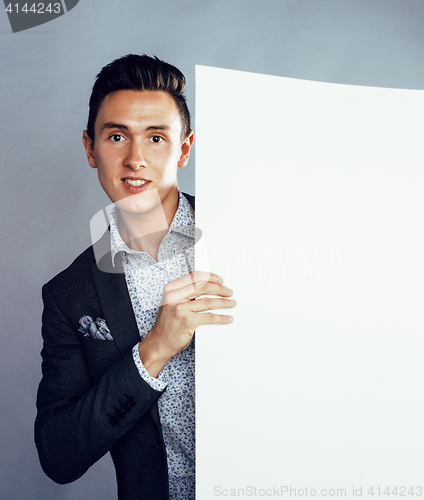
[(135, 158)]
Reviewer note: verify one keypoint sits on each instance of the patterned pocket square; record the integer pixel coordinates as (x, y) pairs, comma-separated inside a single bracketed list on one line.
[(95, 329)]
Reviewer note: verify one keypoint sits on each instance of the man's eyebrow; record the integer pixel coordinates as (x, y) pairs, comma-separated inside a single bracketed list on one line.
[(158, 127), (109, 125)]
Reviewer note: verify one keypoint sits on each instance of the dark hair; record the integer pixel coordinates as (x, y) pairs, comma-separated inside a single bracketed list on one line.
[(134, 72)]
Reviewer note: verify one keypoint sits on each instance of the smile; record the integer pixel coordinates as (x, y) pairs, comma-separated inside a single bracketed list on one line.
[(135, 182)]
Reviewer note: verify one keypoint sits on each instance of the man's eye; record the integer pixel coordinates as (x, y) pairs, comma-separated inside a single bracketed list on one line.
[(116, 137), (156, 139)]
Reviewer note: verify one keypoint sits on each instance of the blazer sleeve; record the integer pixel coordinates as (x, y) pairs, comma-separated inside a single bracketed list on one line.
[(75, 424)]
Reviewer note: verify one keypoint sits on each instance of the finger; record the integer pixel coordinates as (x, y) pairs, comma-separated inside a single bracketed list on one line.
[(210, 289), (209, 303), (213, 319), (192, 292), (193, 278)]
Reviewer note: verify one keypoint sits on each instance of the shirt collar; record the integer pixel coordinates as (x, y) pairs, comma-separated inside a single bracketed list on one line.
[(182, 223)]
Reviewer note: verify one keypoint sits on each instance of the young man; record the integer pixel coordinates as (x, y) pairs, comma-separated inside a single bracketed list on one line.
[(118, 354)]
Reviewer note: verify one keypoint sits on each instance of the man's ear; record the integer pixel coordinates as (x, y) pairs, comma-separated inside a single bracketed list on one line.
[(89, 149), (185, 149)]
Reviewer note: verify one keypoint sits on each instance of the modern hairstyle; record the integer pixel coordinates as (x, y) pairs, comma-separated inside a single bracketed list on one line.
[(135, 72)]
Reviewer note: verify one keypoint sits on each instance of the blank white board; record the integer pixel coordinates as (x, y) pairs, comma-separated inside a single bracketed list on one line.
[(310, 199)]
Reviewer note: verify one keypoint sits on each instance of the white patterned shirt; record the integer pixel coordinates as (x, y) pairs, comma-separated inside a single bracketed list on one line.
[(146, 279)]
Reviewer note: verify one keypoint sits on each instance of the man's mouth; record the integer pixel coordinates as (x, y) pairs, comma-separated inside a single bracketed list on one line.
[(135, 182)]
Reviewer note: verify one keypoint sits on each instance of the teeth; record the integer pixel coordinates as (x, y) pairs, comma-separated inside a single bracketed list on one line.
[(135, 182)]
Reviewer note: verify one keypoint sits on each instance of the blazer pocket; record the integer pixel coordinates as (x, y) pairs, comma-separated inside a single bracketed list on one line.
[(101, 354)]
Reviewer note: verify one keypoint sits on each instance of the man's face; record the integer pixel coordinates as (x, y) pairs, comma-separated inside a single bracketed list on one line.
[(137, 149)]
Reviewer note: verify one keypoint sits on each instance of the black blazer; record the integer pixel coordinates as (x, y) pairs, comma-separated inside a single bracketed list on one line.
[(88, 382)]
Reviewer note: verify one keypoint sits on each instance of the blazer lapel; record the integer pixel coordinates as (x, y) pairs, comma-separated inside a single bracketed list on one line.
[(112, 291)]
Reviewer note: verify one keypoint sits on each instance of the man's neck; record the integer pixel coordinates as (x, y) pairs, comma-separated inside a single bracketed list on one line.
[(145, 232)]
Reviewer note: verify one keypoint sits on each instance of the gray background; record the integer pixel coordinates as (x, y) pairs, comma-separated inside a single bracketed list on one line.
[(48, 194)]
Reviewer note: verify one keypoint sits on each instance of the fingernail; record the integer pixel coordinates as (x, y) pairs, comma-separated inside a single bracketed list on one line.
[(230, 319), (232, 301), (229, 290)]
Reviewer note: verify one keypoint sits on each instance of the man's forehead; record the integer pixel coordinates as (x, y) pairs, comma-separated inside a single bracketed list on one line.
[(136, 105)]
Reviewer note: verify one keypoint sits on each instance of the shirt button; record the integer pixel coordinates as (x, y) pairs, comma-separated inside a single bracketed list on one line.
[(165, 273)]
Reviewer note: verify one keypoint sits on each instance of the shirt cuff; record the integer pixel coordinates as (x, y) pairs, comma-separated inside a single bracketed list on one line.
[(155, 383)]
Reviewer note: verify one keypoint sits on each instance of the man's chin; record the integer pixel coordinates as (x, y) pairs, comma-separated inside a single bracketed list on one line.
[(140, 203)]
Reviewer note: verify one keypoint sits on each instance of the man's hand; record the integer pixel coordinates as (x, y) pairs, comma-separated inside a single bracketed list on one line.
[(181, 311)]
